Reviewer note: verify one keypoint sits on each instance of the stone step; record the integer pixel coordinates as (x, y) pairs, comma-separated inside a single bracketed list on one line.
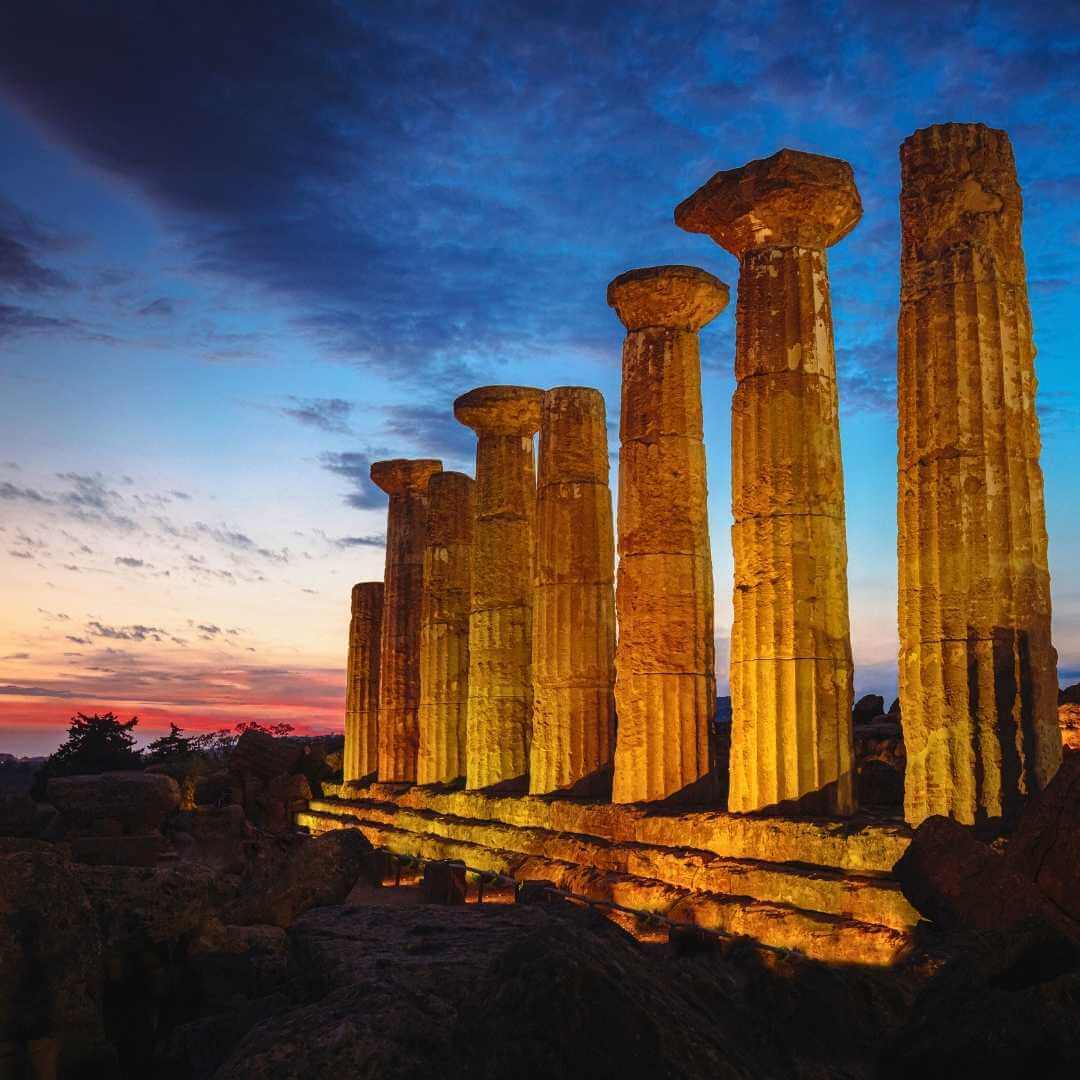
[(860, 845), (864, 898), (818, 935)]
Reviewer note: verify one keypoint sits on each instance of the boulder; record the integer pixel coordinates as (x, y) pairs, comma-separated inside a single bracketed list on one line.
[(283, 797), (261, 755), (1070, 695), (960, 883), (50, 970), (1045, 848), (22, 816), (314, 872), (116, 802), (879, 763), (216, 836), (999, 1003), (868, 707)]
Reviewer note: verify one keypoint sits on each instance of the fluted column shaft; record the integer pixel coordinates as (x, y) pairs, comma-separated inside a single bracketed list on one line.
[(444, 629), (573, 640), (360, 758), (665, 688), (791, 665), (978, 680), (499, 716), (399, 652)]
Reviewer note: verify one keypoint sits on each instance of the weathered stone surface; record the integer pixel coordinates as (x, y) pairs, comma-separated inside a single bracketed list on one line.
[(977, 667), (50, 968), (960, 883), (131, 802), (1069, 722), (573, 661), (879, 762), (406, 482), (665, 685), (1046, 845), (444, 629), (791, 666), (361, 755), (499, 715), (791, 198), (260, 755)]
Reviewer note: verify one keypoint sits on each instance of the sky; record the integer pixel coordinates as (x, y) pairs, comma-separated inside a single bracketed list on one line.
[(248, 248)]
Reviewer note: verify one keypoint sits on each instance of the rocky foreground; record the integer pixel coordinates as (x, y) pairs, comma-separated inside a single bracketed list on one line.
[(243, 951)]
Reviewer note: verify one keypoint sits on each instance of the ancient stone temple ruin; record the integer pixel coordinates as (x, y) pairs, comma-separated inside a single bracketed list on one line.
[(791, 668), (533, 721), (978, 674)]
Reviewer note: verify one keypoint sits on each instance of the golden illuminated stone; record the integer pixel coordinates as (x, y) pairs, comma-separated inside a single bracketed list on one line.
[(665, 687), (406, 482), (573, 636), (499, 717), (361, 755), (444, 629), (791, 666), (978, 681)]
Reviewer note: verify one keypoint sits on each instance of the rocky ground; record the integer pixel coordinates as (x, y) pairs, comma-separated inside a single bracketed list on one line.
[(139, 938)]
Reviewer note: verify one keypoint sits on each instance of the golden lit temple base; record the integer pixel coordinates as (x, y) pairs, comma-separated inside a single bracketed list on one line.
[(819, 886)]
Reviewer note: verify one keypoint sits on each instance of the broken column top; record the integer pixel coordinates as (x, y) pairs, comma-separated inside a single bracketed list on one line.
[(959, 192), (450, 508), (365, 594), (501, 410), (574, 437), (672, 297), (790, 199), (400, 476)]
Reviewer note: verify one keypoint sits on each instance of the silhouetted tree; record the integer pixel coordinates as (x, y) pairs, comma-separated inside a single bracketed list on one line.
[(95, 744), (173, 745)]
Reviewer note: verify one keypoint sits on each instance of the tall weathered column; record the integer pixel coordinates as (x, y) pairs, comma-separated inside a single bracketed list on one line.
[(978, 681), (791, 667), (665, 684), (573, 641), (444, 629), (406, 483), (505, 419), (361, 755)]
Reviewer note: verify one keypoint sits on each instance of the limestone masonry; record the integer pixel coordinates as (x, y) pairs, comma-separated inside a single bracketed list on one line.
[(444, 629), (557, 719), (499, 719), (399, 648), (791, 667), (573, 657), (361, 755), (665, 686), (978, 679)]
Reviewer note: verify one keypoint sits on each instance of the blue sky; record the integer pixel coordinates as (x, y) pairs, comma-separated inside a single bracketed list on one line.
[(247, 248)]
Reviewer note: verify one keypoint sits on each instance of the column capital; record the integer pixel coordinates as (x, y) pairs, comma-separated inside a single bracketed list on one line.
[(672, 297), (501, 410), (790, 199), (402, 476)]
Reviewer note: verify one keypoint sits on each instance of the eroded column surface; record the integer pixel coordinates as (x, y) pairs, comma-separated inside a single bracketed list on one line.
[(444, 629), (573, 639), (406, 482), (978, 681), (499, 718), (790, 660), (665, 684), (361, 755)]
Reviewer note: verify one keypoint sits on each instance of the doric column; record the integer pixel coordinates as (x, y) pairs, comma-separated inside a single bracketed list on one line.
[(665, 686), (790, 662), (505, 419), (444, 629), (978, 680), (573, 641), (361, 754), (406, 483)]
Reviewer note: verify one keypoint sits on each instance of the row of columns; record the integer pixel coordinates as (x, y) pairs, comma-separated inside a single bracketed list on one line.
[(497, 652)]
